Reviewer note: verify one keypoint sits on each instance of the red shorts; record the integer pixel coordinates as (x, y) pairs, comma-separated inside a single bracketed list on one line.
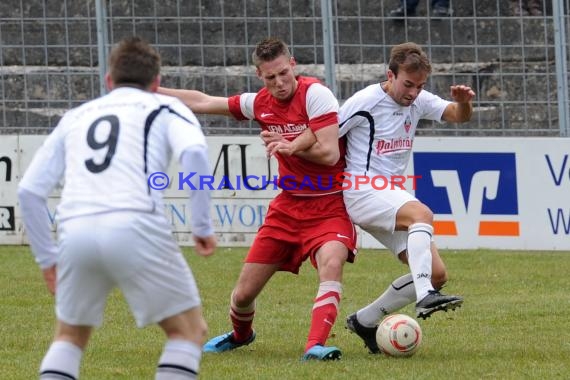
[(295, 227)]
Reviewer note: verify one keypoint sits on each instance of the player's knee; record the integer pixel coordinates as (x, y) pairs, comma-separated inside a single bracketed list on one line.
[(422, 214), (331, 265), (412, 213), (241, 298), (335, 267)]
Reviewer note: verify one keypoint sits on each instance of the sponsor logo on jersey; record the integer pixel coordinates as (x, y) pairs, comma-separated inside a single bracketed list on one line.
[(469, 193), (287, 130), (393, 145)]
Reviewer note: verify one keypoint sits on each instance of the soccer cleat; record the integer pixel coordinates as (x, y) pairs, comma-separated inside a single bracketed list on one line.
[(226, 342), (318, 352), (435, 301), (367, 334)]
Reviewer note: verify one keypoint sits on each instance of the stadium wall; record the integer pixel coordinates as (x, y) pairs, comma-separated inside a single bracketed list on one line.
[(496, 193)]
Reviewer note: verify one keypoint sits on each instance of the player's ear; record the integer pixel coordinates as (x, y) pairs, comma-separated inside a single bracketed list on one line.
[(292, 61), (109, 82)]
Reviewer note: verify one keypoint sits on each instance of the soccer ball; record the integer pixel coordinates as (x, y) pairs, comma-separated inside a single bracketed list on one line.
[(399, 335)]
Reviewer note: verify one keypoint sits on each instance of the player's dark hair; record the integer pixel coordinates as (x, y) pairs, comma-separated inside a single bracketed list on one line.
[(269, 49), (409, 57), (133, 61)]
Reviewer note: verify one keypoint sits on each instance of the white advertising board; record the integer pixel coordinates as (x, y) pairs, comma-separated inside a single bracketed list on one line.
[(496, 193)]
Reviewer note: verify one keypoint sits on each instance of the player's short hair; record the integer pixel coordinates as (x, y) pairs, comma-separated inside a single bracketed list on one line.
[(269, 49), (134, 61), (409, 57)]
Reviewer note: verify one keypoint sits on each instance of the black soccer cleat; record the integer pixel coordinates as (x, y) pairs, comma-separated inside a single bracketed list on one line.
[(435, 301), (367, 334)]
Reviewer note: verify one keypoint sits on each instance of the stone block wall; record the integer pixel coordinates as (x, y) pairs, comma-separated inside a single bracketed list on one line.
[(48, 54)]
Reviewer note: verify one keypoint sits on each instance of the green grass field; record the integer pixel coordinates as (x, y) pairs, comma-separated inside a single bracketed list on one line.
[(513, 325)]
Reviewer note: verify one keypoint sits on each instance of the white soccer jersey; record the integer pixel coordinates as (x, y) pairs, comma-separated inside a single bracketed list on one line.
[(380, 132), (112, 144)]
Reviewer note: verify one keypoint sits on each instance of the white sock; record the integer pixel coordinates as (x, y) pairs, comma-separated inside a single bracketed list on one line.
[(399, 294), (61, 361), (180, 360), (419, 257)]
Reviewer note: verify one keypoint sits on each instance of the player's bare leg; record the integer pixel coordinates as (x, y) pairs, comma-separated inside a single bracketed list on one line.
[(330, 261), (251, 282)]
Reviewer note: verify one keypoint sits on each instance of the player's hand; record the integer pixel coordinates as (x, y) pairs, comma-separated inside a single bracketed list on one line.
[(205, 246), (284, 147), (269, 137), (50, 276), (462, 93), (271, 141)]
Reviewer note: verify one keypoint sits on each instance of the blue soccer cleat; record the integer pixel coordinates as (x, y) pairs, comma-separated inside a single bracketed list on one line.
[(225, 342), (318, 352)]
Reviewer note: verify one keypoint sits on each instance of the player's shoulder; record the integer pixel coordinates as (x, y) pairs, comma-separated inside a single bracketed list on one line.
[(175, 108), (424, 98), (78, 112), (366, 98), (373, 91), (165, 99), (313, 87)]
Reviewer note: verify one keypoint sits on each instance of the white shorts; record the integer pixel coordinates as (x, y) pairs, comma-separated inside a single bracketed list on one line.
[(375, 211), (131, 250)]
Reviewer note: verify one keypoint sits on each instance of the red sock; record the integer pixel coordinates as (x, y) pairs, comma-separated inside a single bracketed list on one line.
[(324, 313), (242, 323), (242, 320)]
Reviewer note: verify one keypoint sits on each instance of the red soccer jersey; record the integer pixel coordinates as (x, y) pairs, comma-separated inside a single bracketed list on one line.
[(306, 109)]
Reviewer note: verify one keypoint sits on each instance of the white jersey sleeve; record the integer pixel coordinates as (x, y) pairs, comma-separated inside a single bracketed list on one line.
[(190, 150), (48, 165), (183, 129), (195, 159), (431, 106), (36, 222), (320, 101), (43, 174), (246, 101)]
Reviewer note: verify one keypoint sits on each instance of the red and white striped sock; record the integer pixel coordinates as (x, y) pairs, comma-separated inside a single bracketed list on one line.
[(325, 310), (242, 320)]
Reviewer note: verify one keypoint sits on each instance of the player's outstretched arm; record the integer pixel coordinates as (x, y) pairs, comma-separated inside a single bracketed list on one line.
[(462, 108), (198, 101)]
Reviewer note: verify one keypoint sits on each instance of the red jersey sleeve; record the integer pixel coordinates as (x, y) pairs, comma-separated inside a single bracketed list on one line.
[(235, 107), (323, 121)]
